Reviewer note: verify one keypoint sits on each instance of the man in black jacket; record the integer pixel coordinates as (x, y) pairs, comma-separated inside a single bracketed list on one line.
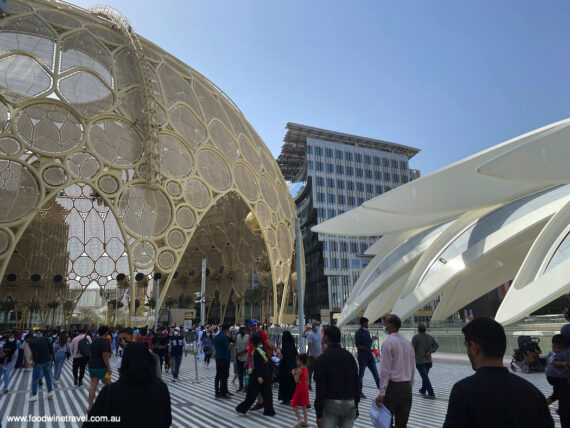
[(42, 354), (493, 397), (336, 377)]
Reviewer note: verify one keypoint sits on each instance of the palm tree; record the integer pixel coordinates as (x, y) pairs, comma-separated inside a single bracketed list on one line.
[(114, 306), (53, 305), (6, 306), (33, 306)]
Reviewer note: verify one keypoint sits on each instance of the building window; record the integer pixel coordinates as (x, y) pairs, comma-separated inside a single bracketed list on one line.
[(330, 167), (340, 169), (320, 197), (350, 185), (351, 201), (360, 187), (368, 173), (309, 150), (358, 157), (341, 200), (387, 188), (344, 263), (349, 171), (377, 175), (319, 151), (338, 154), (355, 264), (320, 181), (319, 166), (326, 262), (310, 165), (344, 246), (330, 198), (329, 153), (385, 162), (340, 184), (360, 201), (332, 213), (333, 246), (354, 247), (367, 159), (387, 177), (378, 189), (348, 156), (359, 172), (376, 161), (370, 188), (330, 183), (363, 247), (394, 164), (403, 165), (396, 178)]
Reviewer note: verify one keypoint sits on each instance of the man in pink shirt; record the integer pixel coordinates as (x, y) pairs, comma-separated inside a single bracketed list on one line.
[(79, 361), (396, 372)]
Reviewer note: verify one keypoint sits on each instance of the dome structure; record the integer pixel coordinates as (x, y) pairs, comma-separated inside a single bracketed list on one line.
[(117, 158)]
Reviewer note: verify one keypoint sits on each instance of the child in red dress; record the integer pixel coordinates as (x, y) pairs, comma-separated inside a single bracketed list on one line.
[(301, 395)]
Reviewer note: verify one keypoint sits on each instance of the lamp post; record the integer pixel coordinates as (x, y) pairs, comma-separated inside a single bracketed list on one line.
[(157, 277), (203, 292), (298, 238)]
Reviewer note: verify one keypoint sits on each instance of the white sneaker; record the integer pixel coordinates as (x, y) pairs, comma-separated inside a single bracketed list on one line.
[(55, 381), (49, 394), (33, 398)]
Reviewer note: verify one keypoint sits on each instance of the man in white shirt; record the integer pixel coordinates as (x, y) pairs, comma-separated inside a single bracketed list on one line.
[(396, 372)]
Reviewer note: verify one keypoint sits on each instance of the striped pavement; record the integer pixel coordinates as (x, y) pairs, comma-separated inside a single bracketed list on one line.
[(193, 404)]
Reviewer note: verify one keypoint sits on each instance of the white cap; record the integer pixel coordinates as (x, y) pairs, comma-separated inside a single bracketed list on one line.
[(177, 328)]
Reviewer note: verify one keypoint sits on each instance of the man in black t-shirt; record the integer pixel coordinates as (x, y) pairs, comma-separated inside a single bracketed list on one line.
[(493, 397), (99, 365)]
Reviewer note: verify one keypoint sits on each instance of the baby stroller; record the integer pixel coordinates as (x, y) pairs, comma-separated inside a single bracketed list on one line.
[(275, 366), (526, 357)]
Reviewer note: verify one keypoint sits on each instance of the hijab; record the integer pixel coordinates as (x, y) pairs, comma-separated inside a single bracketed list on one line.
[(138, 365)]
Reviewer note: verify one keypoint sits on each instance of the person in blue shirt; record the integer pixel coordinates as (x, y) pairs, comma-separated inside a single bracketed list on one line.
[(222, 344), (365, 358)]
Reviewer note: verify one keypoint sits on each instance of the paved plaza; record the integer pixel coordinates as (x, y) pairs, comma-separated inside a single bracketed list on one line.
[(193, 404)]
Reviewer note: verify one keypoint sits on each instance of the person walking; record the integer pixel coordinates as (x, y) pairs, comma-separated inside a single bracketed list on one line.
[(493, 397), (60, 350), (242, 340), (301, 395), (8, 356), (99, 364), (287, 364), (42, 356), (175, 348), (208, 347), (424, 345), (396, 372), (364, 355), (28, 359), (80, 347), (336, 380), (260, 379), (138, 398), (223, 345), (314, 342)]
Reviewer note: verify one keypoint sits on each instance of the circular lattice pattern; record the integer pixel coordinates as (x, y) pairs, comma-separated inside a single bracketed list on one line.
[(9, 146), (83, 165), (4, 116), (245, 181), (173, 188), (262, 214), (116, 142), (108, 184), (185, 217), (188, 125), (176, 238), (283, 242), (213, 169), (143, 253), (166, 260), (197, 193), (146, 212), (270, 237), (49, 129), (249, 153), (4, 241), (18, 190), (224, 141), (105, 266), (175, 158), (54, 176), (268, 191)]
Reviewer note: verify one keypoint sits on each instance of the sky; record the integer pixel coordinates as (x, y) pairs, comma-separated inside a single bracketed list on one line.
[(450, 78)]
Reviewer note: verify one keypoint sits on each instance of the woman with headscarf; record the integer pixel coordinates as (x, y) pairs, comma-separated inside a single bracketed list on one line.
[(286, 365), (138, 388)]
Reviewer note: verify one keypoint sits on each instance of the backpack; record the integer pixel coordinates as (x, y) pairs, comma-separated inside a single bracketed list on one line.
[(84, 347)]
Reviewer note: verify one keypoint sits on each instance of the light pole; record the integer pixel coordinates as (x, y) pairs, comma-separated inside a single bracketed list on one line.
[(157, 277), (201, 296), (298, 238)]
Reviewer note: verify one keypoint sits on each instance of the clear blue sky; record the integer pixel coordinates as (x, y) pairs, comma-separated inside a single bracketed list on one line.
[(449, 77)]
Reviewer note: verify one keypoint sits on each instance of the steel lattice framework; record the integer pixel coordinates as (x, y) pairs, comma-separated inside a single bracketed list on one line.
[(115, 157)]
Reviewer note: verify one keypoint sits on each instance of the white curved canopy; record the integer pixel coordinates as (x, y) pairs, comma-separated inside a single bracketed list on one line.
[(496, 204)]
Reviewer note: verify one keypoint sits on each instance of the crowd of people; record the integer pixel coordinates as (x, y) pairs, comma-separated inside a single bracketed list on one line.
[(491, 397)]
